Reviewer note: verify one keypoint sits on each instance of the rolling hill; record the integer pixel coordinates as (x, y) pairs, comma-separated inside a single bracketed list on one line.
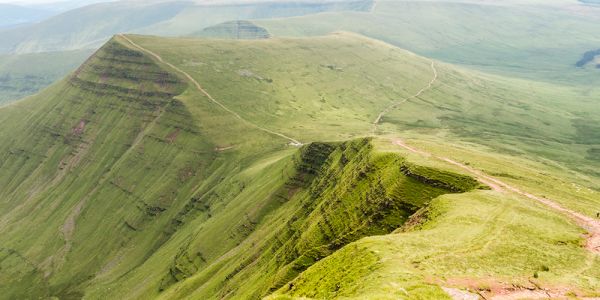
[(12, 15), (65, 38), (235, 30), (88, 28), (22, 75), (539, 40), (325, 167), (500, 42)]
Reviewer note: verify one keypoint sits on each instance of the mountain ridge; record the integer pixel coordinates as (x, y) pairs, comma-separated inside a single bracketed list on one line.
[(194, 197)]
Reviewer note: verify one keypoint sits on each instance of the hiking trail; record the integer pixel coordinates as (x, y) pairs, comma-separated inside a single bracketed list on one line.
[(396, 104), (293, 142), (587, 223)]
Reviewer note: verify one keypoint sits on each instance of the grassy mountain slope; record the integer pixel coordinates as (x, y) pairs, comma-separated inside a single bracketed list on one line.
[(147, 188), (486, 230), (509, 115)]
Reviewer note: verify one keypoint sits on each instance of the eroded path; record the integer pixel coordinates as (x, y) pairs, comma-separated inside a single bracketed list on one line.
[(399, 102), (503, 291), (197, 85), (591, 225), (588, 223)]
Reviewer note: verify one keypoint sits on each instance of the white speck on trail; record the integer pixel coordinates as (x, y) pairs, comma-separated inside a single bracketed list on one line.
[(293, 142), (394, 105), (588, 223)]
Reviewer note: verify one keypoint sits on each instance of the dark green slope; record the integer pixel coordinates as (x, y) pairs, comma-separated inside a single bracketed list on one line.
[(74, 156), (109, 147), (334, 194)]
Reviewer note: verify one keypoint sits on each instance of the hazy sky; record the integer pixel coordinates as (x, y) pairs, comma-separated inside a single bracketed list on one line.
[(43, 1), (28, 1)]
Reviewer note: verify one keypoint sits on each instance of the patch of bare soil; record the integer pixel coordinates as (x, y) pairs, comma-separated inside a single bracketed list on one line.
[(79, 128), (220, 149), (458, 294), (171, 137), (490, 289)]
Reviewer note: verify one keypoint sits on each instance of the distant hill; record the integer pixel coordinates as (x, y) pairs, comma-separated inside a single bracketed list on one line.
[(88, 27), (588, 57), (244, 30), (590, 1), (25, 74), (12, 15), (509, 39)]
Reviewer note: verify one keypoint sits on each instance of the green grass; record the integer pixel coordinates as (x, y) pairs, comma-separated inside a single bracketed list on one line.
[(328, 88), (147, 189), (533, 40), (485, 231)]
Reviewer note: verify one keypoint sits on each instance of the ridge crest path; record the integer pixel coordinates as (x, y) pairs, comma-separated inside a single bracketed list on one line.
[(587, 223), (293, 141)]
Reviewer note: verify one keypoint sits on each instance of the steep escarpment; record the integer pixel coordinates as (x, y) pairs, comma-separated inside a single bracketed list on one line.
[(331, 194), (93, 170)]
